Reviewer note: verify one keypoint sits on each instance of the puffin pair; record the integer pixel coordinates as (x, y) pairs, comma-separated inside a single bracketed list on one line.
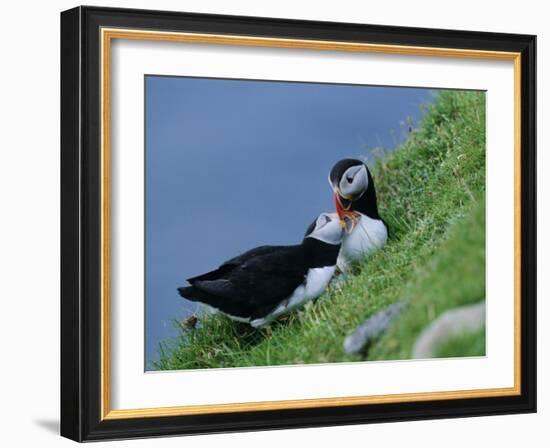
[(266, 282)]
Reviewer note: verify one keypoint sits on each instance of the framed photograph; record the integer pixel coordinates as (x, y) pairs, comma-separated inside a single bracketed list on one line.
[(273, 223)]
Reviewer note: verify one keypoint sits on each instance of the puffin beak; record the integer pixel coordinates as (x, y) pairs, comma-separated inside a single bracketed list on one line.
[(348, 218), (341, 211)]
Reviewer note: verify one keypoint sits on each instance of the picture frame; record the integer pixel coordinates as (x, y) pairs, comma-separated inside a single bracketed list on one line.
[(86, 210)]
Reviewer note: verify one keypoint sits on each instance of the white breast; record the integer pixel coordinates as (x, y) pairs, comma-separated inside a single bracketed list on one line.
[(367, 237), (317, 280)]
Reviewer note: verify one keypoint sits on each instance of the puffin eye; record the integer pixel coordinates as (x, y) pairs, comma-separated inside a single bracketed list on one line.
[(323, 221), (351, 173)]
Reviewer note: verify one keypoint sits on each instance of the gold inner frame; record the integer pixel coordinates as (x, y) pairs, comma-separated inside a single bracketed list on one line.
[(107, 35)]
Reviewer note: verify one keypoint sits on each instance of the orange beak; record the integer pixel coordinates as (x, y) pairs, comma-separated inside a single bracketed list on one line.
[(342, 211), (347, 217)]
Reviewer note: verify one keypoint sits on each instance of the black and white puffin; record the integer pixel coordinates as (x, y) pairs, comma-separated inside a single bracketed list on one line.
[(266, 282), (356, 205)]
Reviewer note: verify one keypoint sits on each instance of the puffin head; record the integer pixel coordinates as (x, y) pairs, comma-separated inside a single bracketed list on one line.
[(327, 228), (349, 180)]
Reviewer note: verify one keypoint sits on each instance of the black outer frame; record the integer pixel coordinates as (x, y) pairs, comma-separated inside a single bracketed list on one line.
[(80, 224)]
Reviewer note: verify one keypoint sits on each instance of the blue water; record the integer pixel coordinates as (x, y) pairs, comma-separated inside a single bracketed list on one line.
[(232, 164)]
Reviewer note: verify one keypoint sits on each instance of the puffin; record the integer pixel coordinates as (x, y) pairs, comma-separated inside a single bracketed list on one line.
[(356, 205), (266, 282)]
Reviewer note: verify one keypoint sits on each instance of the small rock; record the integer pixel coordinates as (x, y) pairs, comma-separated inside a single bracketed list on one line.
[(451, 323), (372, 328)]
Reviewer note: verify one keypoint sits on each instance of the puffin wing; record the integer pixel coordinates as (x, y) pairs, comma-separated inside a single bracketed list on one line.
[(260, 283), (231, 264)]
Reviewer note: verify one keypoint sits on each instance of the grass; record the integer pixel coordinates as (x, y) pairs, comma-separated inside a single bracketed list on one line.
[(431, 193), (467, 344)]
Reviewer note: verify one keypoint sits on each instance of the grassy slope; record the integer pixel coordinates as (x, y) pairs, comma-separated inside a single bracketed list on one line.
[(467, 344), (431, 192)]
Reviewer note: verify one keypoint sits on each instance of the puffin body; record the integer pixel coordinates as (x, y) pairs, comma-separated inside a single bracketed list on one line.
[(266, 282), (357, 207), (367, 236)]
